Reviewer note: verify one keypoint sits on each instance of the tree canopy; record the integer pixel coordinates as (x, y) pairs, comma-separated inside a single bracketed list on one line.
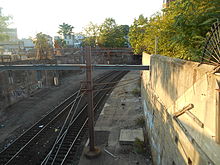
[(137, 34), (59, 43), (107, 35), (42, 45), (4, 22), (65, 29), (180, 30), (91, 32)]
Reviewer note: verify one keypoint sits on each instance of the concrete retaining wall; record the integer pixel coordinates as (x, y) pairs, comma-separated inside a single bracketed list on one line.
[(16, 85), (169, 86), (97, 58)]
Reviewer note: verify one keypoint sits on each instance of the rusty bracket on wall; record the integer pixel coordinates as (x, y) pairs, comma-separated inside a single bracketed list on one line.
[(185, 109), (195, 119)]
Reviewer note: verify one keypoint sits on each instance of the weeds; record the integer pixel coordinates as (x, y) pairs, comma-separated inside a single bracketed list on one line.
[(136, 92), (139, 146), (140, 121)]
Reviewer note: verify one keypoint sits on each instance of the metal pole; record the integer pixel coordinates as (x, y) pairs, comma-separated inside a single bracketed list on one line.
[(90, 98), (156, 42)]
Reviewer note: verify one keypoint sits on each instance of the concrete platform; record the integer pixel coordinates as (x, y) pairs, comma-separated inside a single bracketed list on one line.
[(128, 136), (119, 113)]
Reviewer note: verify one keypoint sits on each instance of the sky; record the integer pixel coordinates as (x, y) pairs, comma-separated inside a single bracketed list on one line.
[(33, 16)]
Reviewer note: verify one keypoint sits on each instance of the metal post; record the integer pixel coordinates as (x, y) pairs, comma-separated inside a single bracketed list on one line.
[(217, 120), (156, 43), (92, 151), (90, 98)]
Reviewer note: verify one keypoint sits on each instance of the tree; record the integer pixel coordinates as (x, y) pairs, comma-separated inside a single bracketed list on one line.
[(137, 34), (42, 45), (180, 30), (111, 35), (65, 29), (59, 43), (91, 32), (106, 33), (4, 22), (120, 36)]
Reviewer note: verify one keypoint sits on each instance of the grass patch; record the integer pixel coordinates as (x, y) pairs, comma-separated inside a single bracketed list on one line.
[(139, 146), (140, 121), (136, 92)]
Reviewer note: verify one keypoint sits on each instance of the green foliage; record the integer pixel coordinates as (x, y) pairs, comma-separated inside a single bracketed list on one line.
[(137, 34), (91, 35), (108, 34), (136, 92), (4, 22), (65, 29), (140, 121), (59, 43), (181, 29), (42, 45), (139, 146), (111, 35)]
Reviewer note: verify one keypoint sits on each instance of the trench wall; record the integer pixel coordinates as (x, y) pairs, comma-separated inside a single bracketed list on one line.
[(167, 88), (97, 58), (17, 85)]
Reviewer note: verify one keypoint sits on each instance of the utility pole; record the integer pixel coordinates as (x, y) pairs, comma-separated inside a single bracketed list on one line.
[(92, 151), (156, 44)]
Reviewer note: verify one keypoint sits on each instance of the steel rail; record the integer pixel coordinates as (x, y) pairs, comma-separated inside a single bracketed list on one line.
[(41, 130), (74, 123), (47, 157), (68, 125), (33, 129), (33, 136), (94, 109), (80, 131)]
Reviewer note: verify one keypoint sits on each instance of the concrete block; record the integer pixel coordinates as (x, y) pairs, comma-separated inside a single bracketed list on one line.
[(128, 136)]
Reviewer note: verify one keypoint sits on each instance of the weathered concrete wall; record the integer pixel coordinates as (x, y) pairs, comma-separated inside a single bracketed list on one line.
[(16, 85), (169, 86), (78, 57)]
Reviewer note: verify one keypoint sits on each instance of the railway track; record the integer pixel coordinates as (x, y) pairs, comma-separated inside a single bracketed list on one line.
[(55, 139)]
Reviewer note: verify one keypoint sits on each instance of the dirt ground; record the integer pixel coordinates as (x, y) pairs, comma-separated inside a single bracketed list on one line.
[(15, 119)]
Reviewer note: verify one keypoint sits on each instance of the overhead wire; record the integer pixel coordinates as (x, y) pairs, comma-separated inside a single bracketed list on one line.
[(57, 139), (114, 86), (67, 127), (61, 137), (115, 82)]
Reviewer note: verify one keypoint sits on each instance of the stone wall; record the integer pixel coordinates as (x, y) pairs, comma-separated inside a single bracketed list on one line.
[(190, 136)]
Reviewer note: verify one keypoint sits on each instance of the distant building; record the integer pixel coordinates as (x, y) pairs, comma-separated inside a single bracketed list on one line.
[(50, 40), (69, 39), (78, 40), (12, 33), (72, 41), (11, 45), (56, 37), (27, 44)]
